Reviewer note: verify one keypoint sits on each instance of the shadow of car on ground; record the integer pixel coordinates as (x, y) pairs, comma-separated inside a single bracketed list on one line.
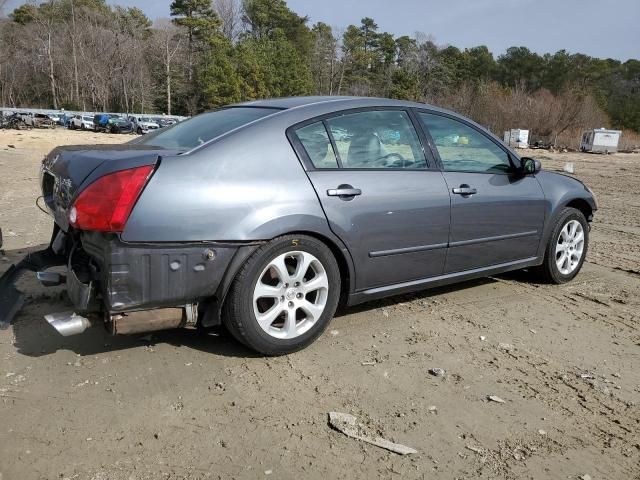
[(34, 337)]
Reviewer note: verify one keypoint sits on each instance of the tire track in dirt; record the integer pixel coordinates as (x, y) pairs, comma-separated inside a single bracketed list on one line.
[(612, 422)]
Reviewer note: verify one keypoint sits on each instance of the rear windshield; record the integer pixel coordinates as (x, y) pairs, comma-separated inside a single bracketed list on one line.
[(195, 131)]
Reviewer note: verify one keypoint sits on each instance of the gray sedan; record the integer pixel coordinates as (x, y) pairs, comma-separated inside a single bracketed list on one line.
[(264, 217)]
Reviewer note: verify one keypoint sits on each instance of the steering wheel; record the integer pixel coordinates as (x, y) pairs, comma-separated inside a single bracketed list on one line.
[(392, 160)]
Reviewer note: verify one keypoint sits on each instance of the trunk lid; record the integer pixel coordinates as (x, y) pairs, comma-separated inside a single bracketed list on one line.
[(66, 171)]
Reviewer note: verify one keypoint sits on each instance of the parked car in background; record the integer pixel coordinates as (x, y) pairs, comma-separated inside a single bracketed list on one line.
[(55, 117), (258, 217), (39, 120), (13, 120), (165, 121), (120, 125), (81, 122), (43, 120), (101, 121), (143, 125), (112, 123)]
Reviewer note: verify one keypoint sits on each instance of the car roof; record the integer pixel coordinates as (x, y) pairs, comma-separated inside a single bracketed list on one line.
[(311, 107), (341, 103), (299, 109)]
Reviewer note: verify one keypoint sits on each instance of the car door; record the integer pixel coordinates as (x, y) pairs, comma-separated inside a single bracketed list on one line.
[(497, 214), (380, 194)]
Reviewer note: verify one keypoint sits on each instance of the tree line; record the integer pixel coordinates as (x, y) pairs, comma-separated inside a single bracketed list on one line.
[(87, 55)]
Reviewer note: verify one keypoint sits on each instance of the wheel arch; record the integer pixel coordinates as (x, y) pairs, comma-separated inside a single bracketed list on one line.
[(583, 206), (212, 309), (580, 204)]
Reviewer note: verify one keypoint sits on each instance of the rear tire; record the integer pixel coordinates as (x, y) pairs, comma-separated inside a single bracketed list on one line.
[(284, 296), (566, 248)]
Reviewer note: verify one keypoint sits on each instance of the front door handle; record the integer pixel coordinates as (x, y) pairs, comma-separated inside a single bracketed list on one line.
[(465, 190), (344, 192)]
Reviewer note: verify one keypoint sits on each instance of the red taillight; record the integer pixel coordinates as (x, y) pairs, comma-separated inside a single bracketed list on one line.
[(105, 205)]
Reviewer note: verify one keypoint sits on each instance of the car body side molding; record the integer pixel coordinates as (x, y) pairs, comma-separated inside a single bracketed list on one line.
[(440, 280), (474, 241), (400, 251)]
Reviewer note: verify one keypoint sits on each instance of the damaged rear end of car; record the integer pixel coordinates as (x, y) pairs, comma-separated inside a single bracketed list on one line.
[(146, 281), (90, 193)]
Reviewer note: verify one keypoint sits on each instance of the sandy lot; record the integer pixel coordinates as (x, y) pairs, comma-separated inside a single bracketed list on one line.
[(184, 405)]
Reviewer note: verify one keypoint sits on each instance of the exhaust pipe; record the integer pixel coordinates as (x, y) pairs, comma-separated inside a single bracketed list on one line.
[(67, 323), (51, 279), (152, 320), (70, 323)]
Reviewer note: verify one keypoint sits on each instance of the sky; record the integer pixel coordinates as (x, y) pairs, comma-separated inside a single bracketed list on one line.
[(605, 29)]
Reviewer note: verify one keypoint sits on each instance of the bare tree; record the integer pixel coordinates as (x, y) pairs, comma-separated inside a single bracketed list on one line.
[(325, 56), (230, 13), (74, 53), (168, 40), (44, 32)]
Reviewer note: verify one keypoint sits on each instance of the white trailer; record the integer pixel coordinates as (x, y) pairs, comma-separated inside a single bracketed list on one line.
[(517, 138), (600, 140)]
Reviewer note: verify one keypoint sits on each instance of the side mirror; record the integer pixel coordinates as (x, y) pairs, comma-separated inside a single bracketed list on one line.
[(530, 166)]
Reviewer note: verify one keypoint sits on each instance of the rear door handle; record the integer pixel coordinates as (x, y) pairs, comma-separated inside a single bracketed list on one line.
[(344, 191), (465, 190)]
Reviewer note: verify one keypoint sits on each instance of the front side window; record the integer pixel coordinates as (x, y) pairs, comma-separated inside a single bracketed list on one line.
[(464, 149), (376, 139), (316, 143), (198, 130)]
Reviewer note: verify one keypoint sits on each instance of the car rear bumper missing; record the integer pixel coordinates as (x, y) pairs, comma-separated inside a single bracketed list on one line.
[(120, 281), (128, 277)]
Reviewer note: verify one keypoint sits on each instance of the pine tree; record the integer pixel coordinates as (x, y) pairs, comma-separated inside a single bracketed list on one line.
[(202, 25)]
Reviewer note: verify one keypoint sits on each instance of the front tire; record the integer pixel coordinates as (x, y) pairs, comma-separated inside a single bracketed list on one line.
[(566, 248), (284, 296)]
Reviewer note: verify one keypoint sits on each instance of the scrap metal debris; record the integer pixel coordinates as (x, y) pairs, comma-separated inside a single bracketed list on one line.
[(478, 450), (496, 399), (347, 424)]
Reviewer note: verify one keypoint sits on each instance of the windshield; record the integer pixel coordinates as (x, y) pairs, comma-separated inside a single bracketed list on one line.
[(202, 128), (146, 119), (88, 119)]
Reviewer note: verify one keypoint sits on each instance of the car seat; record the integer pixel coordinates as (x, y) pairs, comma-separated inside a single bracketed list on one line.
[(364, 150)]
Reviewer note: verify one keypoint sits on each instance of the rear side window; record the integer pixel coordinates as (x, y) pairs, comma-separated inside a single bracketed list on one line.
[(464, 149), (316, 143), (196, 131), (377, 139)]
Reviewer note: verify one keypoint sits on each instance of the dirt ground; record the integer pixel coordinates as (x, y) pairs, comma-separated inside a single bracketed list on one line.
[(184, 405)]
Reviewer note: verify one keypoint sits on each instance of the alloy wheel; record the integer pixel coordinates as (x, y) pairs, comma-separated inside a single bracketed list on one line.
[(570, 247), (290, 294)]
